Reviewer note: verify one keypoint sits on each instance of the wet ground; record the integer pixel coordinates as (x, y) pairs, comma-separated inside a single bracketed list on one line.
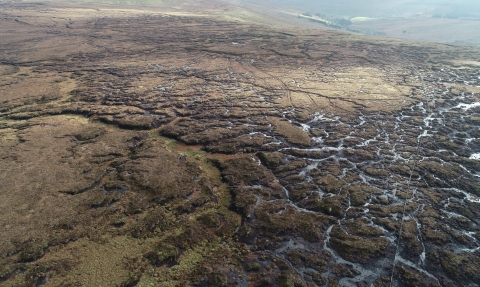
[(343, 160), (376, 197)]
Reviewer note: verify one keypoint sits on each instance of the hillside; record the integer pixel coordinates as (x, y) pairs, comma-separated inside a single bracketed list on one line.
[(208, 144), (454, 22)]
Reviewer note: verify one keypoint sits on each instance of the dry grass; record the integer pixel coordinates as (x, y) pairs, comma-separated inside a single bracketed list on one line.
[(89, 188), (291, 133)]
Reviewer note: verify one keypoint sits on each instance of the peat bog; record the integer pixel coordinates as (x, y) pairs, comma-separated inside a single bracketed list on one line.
[(154, 149)]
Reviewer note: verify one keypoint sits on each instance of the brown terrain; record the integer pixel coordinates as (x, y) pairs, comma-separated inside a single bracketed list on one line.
[(187, 147)]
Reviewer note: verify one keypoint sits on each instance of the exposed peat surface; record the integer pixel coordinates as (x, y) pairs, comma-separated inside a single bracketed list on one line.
[(149, 149)]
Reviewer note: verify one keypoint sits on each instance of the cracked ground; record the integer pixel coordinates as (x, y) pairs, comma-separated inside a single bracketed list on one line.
[(145, 148)]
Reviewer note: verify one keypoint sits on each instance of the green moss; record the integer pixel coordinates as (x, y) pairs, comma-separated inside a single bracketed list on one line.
[(217, 279), (285, 280), (89, 133), (242, 203), (296, 257), (209, 220), (315, 262), (330, 183), (188, 263), (356, 248), (334, 205), (194, 153), (163, 253), (22, 207), (271, 159), (408, 277), (460, 267), (253, 266), (317, 278), (170, 144)]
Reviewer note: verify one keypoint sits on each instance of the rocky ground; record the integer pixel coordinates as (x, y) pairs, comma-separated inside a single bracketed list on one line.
[(142, 148)]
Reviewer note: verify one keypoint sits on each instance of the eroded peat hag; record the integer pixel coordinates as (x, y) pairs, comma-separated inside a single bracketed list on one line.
[(144, 149)]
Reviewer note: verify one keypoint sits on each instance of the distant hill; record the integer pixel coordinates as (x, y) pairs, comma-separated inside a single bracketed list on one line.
[(382, 8), (454, 22)]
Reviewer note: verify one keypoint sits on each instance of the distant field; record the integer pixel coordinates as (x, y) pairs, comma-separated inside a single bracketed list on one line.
[(380, 8), (424, 28), (154, 3), (413, 20), (340, 8)]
